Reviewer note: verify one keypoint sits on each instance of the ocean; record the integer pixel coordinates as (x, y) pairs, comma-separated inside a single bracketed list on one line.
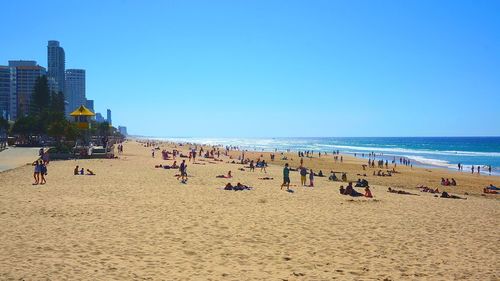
[(444, 152)]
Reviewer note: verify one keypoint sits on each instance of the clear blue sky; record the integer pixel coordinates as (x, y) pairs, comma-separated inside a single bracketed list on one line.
[(275, 68)]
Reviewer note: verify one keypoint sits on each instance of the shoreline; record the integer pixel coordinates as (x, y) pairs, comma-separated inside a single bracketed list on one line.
[(362, 160)]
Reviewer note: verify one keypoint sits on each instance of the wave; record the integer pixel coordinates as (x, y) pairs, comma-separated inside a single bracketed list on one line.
[(415, 151)]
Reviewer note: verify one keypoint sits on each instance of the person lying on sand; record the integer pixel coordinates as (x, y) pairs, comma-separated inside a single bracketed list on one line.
[(266, 178), (237, 187), (492, 187), (90, 173), (224, 176), (400, 192), (428, 189), (489, 191), (446, 195)]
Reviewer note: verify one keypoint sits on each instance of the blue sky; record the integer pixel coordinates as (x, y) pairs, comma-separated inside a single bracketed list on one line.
[(275, 68)]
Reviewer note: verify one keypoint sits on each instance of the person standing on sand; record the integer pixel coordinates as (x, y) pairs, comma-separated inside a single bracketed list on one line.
[(263, 166), (478, 169), (36, 172), (303, 173), (286, 177), (489, 169), (194, 155), (472, 169), (182, 169), (43, 172)]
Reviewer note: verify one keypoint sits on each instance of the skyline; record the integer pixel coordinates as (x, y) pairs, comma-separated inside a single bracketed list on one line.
[(278, 69)]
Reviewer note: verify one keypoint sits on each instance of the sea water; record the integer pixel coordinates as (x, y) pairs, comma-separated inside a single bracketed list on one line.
[(444, 152)]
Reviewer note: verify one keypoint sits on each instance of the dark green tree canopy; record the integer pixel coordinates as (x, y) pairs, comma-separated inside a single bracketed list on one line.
[(40, 100)]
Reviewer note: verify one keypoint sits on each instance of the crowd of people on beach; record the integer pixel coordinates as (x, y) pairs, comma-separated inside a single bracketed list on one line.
[(307, 175)]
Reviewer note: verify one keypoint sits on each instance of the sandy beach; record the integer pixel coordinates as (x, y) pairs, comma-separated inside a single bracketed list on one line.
[(132, 221)]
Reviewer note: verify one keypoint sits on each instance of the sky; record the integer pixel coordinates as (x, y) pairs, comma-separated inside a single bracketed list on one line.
[(275, 68)]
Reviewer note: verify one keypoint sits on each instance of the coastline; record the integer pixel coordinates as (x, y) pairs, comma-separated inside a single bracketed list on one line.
[(282, 144), (132, 220)]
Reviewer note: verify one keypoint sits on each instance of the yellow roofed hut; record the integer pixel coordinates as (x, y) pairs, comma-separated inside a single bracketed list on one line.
[(82, 116)]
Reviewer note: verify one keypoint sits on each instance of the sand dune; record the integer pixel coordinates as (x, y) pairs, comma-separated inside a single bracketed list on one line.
[(134, 222)]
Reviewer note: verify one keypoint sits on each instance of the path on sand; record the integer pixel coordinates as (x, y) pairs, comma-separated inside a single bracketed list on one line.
[(14, 157)]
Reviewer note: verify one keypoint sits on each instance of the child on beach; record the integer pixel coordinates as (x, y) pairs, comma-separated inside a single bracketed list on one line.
[(36, 172)]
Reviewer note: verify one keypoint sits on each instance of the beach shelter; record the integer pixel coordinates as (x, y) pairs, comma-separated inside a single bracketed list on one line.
[(82, 117)]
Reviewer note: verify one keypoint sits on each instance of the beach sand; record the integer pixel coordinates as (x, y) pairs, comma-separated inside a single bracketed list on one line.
[(132, 221)]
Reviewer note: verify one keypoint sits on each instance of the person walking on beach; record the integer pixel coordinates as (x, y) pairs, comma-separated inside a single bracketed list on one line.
[(263, 166), (478, 169), (303, 174), (43, 172), (311, 178), (182, 170), (36, 172), (472, 169), (489, 169), (194, 155), (286, 177)]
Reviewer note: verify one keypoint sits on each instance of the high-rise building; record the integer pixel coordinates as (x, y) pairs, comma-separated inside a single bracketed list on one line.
[(108, 117), (90, 105), (5, 92), (23, 79), (75, 89), (56, 65), (99, 118), (122, 130)]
